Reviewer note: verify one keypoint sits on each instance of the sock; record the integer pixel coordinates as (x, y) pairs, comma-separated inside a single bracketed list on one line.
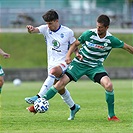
[(68, 99), (50, 93), (0, 89), (46, 85), (73, 107), (110, 103)]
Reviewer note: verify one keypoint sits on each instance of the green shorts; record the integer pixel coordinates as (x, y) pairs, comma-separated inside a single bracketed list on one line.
[(77, 70), (1, 72)]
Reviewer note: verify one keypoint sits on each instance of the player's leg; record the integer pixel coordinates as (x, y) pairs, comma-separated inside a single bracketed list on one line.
[(52, 91), (65, 95), (103, 79), (58, 87), (109, 92), (47, 84), (70, 74), (52, 76), (74, 108)]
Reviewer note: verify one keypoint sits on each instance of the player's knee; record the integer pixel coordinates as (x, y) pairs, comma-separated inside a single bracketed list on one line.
[(52, 71), (55, 72), (108, 86)]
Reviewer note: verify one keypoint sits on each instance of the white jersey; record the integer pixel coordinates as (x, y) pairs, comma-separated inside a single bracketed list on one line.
[(58, 43)]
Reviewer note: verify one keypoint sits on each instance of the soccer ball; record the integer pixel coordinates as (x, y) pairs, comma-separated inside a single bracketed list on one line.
[(17, 82), (41, 105)]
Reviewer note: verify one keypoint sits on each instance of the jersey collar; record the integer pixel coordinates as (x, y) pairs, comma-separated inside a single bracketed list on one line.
[(57, 29)]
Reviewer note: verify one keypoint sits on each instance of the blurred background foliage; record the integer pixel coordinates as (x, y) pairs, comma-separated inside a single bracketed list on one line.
[(29, 51)]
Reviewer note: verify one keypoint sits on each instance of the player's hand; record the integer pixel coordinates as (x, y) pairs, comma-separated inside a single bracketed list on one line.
[(68, 60), (80, 57), (30, 28), (5, 55)]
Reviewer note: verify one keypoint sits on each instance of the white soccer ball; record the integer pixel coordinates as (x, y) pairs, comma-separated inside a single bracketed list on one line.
[(17, 82), (41, 105)]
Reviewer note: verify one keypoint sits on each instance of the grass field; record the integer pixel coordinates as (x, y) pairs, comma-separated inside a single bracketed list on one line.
[(92, 118)]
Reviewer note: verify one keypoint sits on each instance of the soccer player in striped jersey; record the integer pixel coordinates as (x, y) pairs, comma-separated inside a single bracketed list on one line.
[(5, 55), (58, 39), (96, 46)]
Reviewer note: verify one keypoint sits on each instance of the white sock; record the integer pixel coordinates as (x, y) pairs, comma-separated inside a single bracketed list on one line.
[(46, 85), (67, 98)]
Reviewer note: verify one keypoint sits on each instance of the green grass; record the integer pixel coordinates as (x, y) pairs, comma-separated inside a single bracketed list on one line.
[(26, 50), (29, 51), (92, 118)]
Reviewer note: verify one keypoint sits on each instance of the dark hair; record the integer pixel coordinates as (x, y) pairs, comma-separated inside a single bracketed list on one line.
[(104, 19), (50, 15)]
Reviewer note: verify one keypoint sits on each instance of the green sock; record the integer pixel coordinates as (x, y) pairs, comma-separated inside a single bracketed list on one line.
[(110, 102), (50, 93)]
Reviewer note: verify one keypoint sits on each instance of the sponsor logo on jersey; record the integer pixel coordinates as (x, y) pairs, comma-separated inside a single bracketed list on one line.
[(89, 44), (56, 45)]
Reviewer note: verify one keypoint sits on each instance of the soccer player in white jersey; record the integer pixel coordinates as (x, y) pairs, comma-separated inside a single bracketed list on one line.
[(96, 46), (5, 55), (58, 39)]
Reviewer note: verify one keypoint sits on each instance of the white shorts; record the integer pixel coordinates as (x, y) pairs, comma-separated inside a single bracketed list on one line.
[(62, 65)]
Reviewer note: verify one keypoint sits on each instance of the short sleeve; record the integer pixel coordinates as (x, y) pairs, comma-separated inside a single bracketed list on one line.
[(85, 34), (42, 29), (116, 43), (71, 36)]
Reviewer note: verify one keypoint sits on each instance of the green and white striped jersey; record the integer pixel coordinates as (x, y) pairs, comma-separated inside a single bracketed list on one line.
[(1, 71), (94, 49)]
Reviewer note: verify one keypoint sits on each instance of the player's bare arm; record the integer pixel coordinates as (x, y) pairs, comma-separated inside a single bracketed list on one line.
[(68, 58), (73, 48), (4, 54), (32, 29), (129, 48)]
